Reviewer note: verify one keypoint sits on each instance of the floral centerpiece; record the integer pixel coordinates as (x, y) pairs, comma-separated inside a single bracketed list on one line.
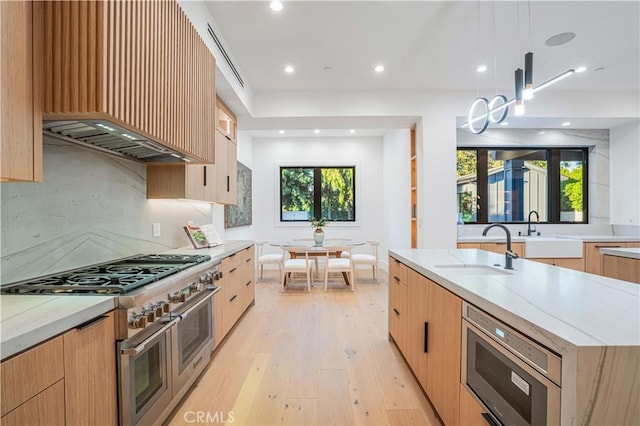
[(318, 234)]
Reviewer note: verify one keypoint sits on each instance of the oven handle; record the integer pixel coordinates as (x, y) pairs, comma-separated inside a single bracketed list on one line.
[(491, 421), (196, 305), (140, 347)]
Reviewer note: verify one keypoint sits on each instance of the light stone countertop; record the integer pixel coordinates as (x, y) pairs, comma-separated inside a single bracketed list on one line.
[(631, 253), (559, 307), (520, 238), (218, 252), (27, 320)]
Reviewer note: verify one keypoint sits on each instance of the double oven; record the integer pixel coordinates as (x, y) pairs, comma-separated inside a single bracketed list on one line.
[(516, 379), (158, 366)]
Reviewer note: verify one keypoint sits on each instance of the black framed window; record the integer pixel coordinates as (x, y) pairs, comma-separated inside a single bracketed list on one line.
[(320, 192), (505, 184)]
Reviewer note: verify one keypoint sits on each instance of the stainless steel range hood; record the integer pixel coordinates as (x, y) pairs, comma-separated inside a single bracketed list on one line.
[(112, 139)]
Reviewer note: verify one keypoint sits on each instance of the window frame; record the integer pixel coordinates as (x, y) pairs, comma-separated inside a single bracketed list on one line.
[(317, 191), (553, 186)]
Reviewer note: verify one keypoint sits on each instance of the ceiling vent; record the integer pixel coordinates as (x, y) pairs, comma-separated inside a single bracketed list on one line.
[(225, 55)]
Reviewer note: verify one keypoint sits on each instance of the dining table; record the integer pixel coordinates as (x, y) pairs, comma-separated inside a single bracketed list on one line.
[(317, 250)]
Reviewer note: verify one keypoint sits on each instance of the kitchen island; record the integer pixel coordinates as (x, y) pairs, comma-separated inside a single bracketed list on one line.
[(592, 322), (621, 263)]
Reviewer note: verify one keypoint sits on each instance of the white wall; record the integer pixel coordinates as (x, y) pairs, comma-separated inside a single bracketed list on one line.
[(396, 152), (625, 176), (365, 153)]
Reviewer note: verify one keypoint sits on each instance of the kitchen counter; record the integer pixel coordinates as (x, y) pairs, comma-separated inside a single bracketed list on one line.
[(522, 238), (631, 253), (27, 320), (560, 308), (217, 253)]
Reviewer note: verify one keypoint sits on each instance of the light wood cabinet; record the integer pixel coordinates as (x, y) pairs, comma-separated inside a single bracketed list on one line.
[(21, 91), (226, 169), (622, 268), (139, 64), (238, 289), (593, 260), (577, 264), (470, 410), (90, 373), (444, 346), (226, 121), (44, 409), (398, 294), (192, 182), (417, 325), (70, 379)]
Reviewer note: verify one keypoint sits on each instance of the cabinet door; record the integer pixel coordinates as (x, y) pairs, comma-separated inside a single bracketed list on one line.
[(444, 346), (195, 181), (20, 91), (593, 260), (417, 323), (577, 264), (470, 410), (226, 169), (44, 409), (398, 307), (622, 268), (469, 246), (90, 373), (501, 248)]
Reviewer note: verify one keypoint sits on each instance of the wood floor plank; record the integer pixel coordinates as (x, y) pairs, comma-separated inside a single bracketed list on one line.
[(334, 402), (311, 358), (300, 412)]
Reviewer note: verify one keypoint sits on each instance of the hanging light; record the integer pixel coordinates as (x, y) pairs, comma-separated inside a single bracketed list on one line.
[(527, 93), (519, 83)]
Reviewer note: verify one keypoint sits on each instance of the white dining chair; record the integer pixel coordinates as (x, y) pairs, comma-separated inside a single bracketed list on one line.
[(367, 259), (296, 265), (311, 241), (339, 264), (267, 259)]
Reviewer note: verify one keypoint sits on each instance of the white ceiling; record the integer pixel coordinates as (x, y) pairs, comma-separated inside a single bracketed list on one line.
[(429, 45)]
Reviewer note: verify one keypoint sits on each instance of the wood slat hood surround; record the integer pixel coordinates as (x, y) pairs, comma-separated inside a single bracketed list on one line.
[(137, 64)]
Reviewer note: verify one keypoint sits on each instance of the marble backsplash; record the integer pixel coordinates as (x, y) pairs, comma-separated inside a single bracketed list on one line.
[(90, 207)]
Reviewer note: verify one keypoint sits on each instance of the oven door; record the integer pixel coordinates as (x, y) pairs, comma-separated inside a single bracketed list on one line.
[(145, 375), (514, 392), (193, 340)]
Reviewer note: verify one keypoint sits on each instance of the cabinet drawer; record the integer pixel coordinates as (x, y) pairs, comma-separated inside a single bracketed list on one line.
[(45, 409), (397, 271), (29, 373)]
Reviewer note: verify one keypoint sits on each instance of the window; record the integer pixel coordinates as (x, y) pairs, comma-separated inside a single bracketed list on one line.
[(504, 185), (307, 192)]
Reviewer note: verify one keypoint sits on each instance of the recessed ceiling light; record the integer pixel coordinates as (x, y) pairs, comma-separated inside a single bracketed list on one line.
[(581, 69), (281, 132), (566, 123), (352, 131), (316, 131), (481, 68), (378, 68), (289, 69), (328, 68), (504, 123), (541, 132), (276, 6), (560, 39), (598, 69)]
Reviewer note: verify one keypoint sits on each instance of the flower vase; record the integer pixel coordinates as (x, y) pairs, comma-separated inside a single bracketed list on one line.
[(318, 236)]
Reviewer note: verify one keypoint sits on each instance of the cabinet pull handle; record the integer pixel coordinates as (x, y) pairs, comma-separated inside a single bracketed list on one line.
[(489, 419), (248, 260), (205, 175), (197, 361), (233, 270), (227, 183), (227, 137), (426, 337), (91, 322), (234, 296), (396, 311), (231, 255), (608, 246), (248, 282), (396, 278)]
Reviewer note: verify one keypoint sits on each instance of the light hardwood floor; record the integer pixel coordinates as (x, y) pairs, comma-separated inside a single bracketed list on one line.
[(299, 358)]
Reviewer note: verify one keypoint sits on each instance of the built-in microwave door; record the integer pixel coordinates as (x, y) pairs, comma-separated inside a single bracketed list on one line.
[(514, 392), (145, 375), (193, 340)]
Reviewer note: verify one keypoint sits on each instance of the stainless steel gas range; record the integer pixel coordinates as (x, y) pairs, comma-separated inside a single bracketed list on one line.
[(164, 324)]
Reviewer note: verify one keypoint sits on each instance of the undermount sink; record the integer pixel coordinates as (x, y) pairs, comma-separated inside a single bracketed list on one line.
[(552, 247), (473, 269)]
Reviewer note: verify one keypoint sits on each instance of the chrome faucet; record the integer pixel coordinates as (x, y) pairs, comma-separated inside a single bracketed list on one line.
[(509, 255), (529, 230)]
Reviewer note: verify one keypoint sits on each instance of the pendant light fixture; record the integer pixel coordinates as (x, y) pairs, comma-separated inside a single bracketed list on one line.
[(519, 83), (527, 93)]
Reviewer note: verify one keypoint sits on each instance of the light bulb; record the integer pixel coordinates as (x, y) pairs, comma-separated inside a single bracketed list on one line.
[(520, 108)]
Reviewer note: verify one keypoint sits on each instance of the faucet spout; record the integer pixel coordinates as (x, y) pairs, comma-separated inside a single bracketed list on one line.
[(509, 255), (529, 230)]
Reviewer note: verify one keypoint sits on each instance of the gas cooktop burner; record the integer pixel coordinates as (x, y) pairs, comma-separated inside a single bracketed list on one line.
[(109, 278)]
